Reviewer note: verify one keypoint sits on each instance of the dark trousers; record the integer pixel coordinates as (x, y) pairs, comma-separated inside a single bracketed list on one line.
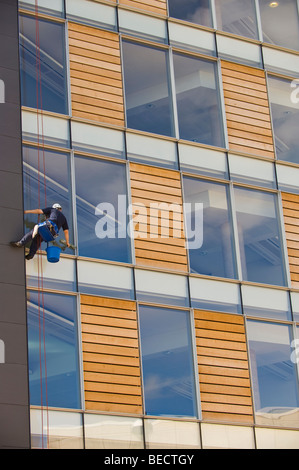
[(35, 242)]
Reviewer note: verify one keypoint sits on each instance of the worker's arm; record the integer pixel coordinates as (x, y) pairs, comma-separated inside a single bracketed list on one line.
[(33, 211), (67, 237)]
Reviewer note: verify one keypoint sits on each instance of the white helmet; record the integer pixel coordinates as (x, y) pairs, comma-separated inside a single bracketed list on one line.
[(56, 206)]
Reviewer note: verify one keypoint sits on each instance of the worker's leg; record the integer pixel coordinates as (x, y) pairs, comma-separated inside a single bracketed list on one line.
[(27, 238), (35, 244)]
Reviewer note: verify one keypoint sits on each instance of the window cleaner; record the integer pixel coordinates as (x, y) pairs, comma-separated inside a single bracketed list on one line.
[(46, 231)]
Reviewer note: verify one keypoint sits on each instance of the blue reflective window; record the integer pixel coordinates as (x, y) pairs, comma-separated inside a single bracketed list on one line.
[(195, 11), (237, 17), (283, 95), (101, 201), (53, 350), (259, 236), (167, 362), (147, 89), (280, 23), (46, 176), (215, 255), (43, 65), (273, 372), (198, 100)]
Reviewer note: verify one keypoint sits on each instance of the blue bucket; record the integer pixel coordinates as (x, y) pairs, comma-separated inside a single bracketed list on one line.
[(53, 254)]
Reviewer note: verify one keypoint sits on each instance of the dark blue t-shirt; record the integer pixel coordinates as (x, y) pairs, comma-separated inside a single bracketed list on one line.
[(57, 217)]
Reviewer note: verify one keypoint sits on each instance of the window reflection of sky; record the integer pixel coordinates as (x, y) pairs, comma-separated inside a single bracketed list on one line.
[(274, 374), (167, 362), (49, 69), (99, 182), (46, 181), (53, 353)]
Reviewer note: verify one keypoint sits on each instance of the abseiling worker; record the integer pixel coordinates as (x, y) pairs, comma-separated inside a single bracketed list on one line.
[(55, 220)]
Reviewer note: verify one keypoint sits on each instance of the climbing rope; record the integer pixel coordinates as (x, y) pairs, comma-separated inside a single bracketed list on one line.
[(41, 304)]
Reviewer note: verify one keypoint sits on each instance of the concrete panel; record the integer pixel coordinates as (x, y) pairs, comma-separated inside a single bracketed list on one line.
[(14, 394)]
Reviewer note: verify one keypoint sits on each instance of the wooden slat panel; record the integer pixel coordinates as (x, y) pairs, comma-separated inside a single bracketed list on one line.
[(223, 367), (95, 71), (290, 204), (154, 6), (110, 355), (159, 234), (247, 110)]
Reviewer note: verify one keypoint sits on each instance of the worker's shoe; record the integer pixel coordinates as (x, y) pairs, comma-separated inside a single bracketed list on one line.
[(29, 256), (16, 244)]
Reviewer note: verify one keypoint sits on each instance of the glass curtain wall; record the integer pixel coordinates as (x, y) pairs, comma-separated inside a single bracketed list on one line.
[(280, 23), (284, 98), (237, 17), (198, 101), (101, 202), (147, 89), (43, 65), (53, 350), (47, 180), (274, 373), (167, 362), (215, 257), (195, 11), (259, 235)]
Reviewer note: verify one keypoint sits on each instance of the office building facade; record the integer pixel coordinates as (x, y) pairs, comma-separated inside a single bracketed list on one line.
[(168, 132)]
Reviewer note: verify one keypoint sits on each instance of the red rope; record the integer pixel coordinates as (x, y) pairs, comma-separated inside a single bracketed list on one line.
[(42, 328)]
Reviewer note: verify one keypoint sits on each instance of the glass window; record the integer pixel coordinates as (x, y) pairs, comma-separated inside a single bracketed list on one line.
[(284, 99), (92, 13), (46, 176), (163, 288), (267, 303), (280, 23), (215, 257), (53, 350), (273, 373), (43, 65), (215, 436), (164, 434), (101, 201), (214, 295), (167, 362), (198, 101), (147, 89), (237, 17), (105, 279), (195, 11), (259, 235), (112, 432), (56, 429)]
